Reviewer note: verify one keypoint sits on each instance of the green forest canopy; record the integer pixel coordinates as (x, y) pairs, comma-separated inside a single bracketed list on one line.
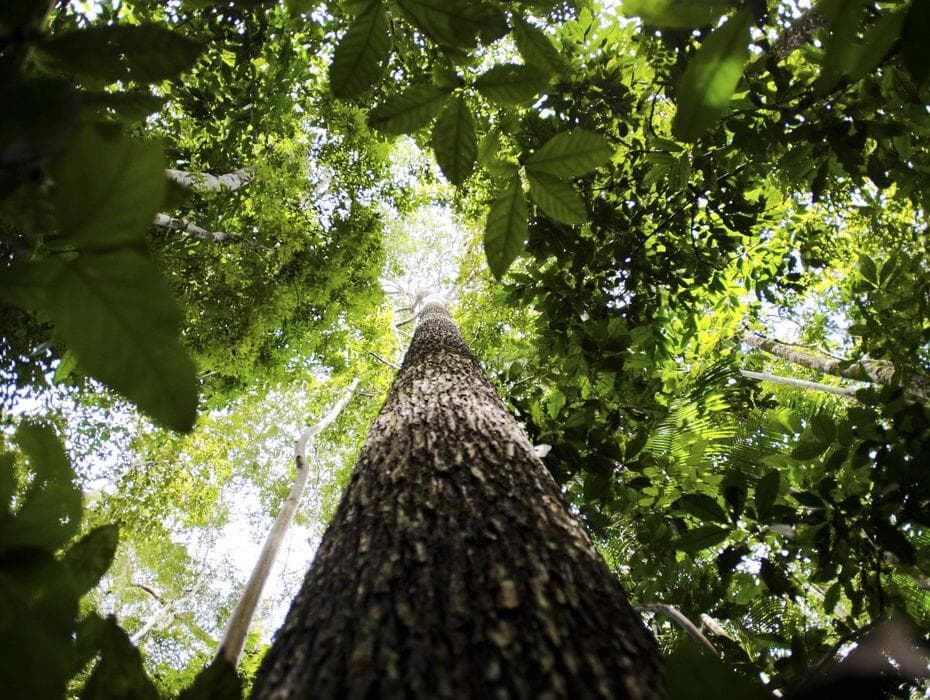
[(651, 219)]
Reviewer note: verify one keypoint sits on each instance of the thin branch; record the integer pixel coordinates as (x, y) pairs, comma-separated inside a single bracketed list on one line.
[(382, 360), (241, 619), (147, 588), (849, 392), (676, 616)]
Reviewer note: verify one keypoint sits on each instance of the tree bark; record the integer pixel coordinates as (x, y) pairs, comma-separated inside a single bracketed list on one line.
[(452, 567), (864, 371), (239, 622)]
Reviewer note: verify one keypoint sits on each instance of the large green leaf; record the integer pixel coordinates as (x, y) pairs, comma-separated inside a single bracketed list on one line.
[(454, 23), (410, 110), (712, 75), (511, 83), (505, 230), (89, 558), (701, 506), (359, 58), (129, 106), (570, 154), (49, 512), (537, 48), (692, 673), (116, 313), (914, 45), (107, 189), (454, 141), (677, 13), (558, 199), (145, 53)]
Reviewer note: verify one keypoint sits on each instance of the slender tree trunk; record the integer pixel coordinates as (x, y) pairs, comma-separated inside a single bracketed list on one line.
[(864, 371), (452, 567), (239, 622), (800, 383)]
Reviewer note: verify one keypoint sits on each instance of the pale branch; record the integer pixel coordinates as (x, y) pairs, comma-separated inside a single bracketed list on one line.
[(800, 383), (241, 619), (184, 226), (205, 182), (915, 383), (166, 612), (147, 588), (676, 616)]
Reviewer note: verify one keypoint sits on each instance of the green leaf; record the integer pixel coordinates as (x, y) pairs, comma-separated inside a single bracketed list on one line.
[(454, 141), (701, 538), (505, 231), (118, 315), (775, 579), (116, 205), (914, 45), (867, 269), (766, 493), (537, 48), (691, 673), (823, 427), (50, 510), (119, 673), (701, 506), (557, 198), (570, 154), (361, 53), (880, 40), (712, 75), (808, 448), (65, 367), (453, 23), (146, 53), (676, 13), (511, 83), (555, 403), (91, 556), (408, 111)]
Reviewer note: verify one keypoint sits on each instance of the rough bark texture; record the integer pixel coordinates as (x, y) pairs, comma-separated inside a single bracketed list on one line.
[(452, 567), (863, 371)]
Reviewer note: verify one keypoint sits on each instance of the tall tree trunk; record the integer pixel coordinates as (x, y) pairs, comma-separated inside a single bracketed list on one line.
[(864, 370), (452, 567)]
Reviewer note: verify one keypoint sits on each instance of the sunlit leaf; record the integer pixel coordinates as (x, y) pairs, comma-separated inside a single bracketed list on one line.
[(676, 13), (557, 198), (360, 55), (570, 154), (410, 110), (537, 48), (511, 83), (454, 141), (505, 230)]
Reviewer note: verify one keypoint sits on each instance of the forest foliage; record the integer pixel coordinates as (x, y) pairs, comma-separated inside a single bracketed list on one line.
[(652, 199)]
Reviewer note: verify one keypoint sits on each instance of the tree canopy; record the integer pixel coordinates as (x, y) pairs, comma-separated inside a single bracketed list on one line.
[(687, 239)]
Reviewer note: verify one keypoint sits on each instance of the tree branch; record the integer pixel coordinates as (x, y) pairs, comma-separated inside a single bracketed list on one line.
[(676, 616), (849, 392), (205, 182), (241, 619), (185, 226)]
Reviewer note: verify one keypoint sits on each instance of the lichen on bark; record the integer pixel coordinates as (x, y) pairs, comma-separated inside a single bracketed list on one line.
[(452, 567)]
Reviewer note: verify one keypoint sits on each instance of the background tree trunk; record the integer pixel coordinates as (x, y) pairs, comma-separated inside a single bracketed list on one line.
[(452, 567)]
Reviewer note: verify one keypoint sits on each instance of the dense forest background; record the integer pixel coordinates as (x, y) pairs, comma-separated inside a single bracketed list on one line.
[(687, 239)]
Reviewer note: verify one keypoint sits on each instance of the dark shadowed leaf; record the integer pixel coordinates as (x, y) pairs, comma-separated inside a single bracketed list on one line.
[(455, 23), (454, 141), (119, 673), (570, 154), (511, 83), (701, 538), (701, 506), (91, 556), (775, 578), (505, 231), (36, 120), (107, 189), (914, 44), (676, 13), (410, 110), (692, 673), (129, 106), (359, 58), (766, 492), (712, 75), (218, 681), (557, 198), (145, 53)]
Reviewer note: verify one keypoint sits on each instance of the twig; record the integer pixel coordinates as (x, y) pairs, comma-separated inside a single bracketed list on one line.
[(676, 616), (382, 360)]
